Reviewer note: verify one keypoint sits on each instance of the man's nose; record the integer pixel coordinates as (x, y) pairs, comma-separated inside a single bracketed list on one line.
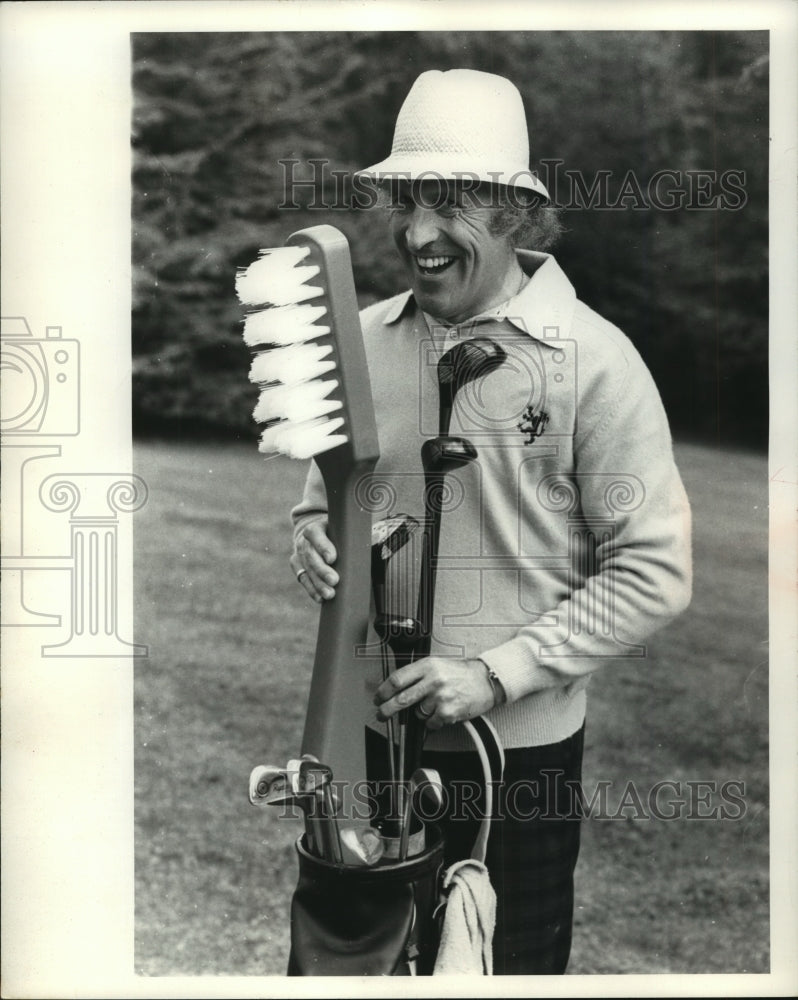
[(422, 228)]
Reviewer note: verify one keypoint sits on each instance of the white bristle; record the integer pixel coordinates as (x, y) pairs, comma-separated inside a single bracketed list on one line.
[(276, 278), (304, 440), (284, 256), (299, 402), (284, 325), (289, 365), (295, 397)]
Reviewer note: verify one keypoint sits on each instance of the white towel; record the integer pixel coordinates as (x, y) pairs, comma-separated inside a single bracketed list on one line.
[(466, 945)]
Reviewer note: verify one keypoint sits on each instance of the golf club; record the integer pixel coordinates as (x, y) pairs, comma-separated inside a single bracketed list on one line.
[(388, 536), (306, 801), (439, 456), (328, 807), (402, 635), (362, 847), (308, 773), (266, 779), (457, 367), (313, 777), (461, 364)]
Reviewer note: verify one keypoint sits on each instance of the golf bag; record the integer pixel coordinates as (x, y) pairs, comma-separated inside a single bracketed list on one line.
[(386, 919)]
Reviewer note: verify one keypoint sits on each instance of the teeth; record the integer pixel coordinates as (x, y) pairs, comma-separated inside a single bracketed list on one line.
[(431, 262)]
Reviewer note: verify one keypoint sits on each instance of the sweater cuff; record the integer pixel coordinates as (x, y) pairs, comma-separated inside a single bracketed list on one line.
[(516, 668)]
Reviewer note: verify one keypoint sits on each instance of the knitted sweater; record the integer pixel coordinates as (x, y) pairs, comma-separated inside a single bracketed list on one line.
[(567, 543)]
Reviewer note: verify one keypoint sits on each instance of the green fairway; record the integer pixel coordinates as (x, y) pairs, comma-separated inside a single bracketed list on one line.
[(231, 639)]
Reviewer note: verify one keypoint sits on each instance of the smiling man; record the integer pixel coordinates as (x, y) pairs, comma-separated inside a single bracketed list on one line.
[(457, 254), (563, 546)]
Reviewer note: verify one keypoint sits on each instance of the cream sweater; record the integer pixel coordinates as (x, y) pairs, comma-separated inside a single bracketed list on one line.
[(567, 543)]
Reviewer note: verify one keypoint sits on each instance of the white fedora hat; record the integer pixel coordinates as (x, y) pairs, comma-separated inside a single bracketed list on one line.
[(460, 124)]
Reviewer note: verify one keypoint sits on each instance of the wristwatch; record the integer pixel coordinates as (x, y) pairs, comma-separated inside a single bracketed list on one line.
[(499, 694)]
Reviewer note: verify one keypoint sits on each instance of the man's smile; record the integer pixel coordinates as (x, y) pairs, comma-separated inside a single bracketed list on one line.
[(434, 264), (458, 263)]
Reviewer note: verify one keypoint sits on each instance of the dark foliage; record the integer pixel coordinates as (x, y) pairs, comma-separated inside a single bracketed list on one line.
[(215, 114)]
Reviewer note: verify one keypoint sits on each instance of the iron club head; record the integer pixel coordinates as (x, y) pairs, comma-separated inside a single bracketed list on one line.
[(388, 536), (391, 534), (266, 780)]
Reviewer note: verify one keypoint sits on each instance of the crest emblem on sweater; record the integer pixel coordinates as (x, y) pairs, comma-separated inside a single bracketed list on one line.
[(533, 424)]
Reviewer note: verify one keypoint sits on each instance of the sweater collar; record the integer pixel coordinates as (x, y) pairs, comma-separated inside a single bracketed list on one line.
[(543, 305)]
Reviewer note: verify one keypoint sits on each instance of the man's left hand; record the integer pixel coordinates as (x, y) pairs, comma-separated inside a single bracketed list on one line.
[(447, 691)]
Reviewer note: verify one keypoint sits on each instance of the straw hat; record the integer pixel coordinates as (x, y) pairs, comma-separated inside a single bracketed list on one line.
[(460, 124)]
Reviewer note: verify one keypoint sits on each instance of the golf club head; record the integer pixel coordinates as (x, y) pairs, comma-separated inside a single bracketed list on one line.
[(388, 537), (443, 454), (297, 766), (391, 534), (266, 780), (361, 847), (461, 364), (312, 774), (469, 360)]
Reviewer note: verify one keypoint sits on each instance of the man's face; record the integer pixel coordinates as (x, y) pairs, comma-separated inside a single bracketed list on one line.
[(457, 266)]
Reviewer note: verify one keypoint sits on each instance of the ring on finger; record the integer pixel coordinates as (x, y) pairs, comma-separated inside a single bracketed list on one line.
[(422, 714), (300, 574)]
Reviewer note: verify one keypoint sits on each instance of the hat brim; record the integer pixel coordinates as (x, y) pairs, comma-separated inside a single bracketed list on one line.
[(445, 166)]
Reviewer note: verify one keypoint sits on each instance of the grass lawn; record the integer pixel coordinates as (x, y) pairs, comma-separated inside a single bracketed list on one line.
[(231, 646)]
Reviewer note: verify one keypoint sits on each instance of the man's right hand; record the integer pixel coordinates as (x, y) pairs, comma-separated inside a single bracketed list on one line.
[(312, 561)]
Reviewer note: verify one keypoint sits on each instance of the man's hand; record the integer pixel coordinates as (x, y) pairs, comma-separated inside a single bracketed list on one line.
[(312, 561), (448, 691)]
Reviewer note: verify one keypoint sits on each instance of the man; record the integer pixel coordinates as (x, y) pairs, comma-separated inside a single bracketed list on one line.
[(565, 544)]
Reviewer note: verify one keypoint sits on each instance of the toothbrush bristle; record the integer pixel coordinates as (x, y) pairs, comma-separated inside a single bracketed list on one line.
[(292, 364), (299, 405), (297, 402), (276, 278), (282, 325), (303, 440)]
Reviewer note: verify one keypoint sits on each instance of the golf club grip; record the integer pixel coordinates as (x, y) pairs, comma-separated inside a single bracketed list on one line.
[(416, 734), (433, 485)]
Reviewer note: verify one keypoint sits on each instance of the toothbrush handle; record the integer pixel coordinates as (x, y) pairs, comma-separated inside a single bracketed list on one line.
[(336, 709)]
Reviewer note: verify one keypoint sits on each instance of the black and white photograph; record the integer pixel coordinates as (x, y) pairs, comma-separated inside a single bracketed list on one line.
[(400, 501)]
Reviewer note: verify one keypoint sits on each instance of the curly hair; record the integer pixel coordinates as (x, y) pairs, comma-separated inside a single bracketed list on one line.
[(535, 226)]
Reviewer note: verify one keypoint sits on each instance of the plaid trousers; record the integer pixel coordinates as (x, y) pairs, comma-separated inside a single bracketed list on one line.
[(533, 846)]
